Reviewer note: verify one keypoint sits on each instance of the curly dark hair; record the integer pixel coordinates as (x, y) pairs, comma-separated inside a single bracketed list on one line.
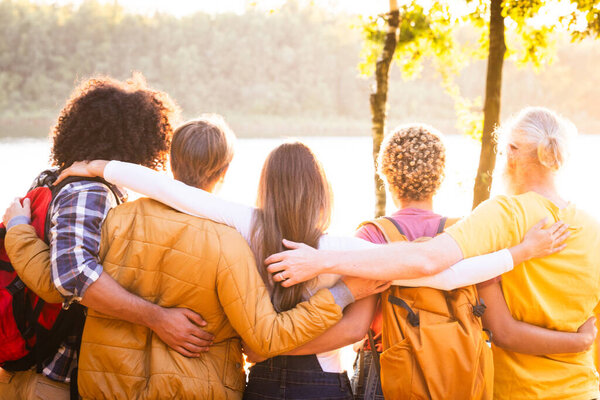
[(111, 120)]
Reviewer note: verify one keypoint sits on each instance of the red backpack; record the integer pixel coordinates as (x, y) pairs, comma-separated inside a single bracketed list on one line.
[(32, 330)]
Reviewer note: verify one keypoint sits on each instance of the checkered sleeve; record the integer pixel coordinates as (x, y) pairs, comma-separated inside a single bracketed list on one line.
[(77, 215)]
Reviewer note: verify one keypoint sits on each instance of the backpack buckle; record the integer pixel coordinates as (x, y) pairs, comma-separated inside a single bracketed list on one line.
[(479, 309)]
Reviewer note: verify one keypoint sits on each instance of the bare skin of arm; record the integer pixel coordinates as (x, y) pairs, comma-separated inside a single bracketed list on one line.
[(352, 328), (525, 338), (400, 260)]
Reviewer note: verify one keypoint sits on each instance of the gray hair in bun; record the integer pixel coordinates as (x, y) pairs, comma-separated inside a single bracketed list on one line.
[(547, 132)]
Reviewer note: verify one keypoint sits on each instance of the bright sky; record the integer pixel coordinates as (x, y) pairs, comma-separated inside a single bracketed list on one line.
[(182, 7)]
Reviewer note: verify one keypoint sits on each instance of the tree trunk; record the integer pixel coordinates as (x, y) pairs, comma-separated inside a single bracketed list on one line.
[(379, 99), (491, 108)]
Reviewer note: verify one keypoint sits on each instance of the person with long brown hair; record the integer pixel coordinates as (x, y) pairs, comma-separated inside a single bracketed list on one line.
[(294, 202)]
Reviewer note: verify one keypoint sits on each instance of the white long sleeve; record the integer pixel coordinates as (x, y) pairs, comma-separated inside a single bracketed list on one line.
[(200, 203), (464, 273), (180, 196)]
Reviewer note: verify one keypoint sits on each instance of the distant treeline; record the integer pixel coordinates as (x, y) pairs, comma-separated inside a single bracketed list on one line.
[(292, 71)]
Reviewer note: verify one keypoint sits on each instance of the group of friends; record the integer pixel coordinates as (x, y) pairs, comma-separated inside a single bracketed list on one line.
[(177, 285)]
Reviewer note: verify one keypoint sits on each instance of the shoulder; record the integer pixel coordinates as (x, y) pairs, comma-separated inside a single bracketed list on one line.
[(84, 188), (370, 232), (150, 215)]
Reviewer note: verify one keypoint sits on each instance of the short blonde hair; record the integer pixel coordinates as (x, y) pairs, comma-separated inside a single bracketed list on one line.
[(412, 159), (201, 150)]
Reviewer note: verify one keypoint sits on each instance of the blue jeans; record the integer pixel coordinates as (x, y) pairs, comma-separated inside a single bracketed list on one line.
[(365, 382), (295, 377)]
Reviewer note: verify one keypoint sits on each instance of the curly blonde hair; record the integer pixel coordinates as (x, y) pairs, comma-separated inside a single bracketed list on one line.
[(412, 160)]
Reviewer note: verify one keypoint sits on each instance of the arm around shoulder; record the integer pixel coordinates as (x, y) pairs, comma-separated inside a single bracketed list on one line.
[(30, 257), (521, 337), (248, 307)]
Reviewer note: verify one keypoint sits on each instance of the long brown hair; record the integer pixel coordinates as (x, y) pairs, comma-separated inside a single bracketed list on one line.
[(293, 202)]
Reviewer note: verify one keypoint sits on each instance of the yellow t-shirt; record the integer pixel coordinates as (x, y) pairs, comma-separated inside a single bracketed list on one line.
[(558, 292)]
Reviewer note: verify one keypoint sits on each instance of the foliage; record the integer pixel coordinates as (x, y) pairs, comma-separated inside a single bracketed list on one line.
[(533, 30), (290, 71)]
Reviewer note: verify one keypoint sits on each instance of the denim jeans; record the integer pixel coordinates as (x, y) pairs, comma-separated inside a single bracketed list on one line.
[(295, 377), (366, 383)]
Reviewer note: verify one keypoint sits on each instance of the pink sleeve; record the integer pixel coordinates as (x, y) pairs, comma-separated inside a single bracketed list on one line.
[(370, 233)]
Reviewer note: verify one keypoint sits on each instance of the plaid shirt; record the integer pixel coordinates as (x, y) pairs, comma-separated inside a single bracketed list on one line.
[(77, 214)]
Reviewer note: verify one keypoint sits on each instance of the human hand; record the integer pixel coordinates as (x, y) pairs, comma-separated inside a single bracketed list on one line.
[(588, 332), (299, 264), (180, 329), (361, 288), (16, 209), (251, 356), (539, 242), (83, 168)]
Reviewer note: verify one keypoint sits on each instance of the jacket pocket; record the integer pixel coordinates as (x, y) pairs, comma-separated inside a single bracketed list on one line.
[(234, 377)]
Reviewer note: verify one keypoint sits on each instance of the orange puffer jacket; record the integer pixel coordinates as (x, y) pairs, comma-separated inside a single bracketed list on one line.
[(176, 260)]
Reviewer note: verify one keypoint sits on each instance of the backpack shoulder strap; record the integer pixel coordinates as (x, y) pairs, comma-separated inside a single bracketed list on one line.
[(56, 189), (442, 225), (392, 232), (446, 222)]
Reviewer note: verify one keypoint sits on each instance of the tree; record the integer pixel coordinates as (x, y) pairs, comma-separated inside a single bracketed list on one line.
[(535, 49), (491, 108), (406, 36), (378, 99)]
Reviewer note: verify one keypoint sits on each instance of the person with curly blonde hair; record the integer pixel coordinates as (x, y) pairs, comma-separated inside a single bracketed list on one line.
[(412, 160)]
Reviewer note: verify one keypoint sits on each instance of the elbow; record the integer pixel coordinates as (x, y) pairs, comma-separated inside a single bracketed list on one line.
[(356, 335), (502, 338), (428, 266)]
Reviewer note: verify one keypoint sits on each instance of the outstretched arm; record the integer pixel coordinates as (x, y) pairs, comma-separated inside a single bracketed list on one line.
[(352, 328), (176, 194), (525, 338), (402, 262)]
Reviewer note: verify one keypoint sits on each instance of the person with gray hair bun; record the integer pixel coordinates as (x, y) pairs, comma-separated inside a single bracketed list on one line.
[(558, 292)]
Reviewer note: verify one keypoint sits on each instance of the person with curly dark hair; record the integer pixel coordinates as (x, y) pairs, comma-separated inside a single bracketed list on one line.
[(114, 120), (107, 119)]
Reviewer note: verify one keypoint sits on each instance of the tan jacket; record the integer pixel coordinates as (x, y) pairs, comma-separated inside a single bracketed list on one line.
[(175, 260)]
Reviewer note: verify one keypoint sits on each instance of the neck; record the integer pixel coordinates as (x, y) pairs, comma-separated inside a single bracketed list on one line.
[(543, 184), (426, 204)]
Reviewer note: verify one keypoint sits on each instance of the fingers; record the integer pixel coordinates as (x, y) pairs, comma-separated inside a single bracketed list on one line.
[(383, 287), (562, 237), (292, 245), (276, 266), (185, 352), (195, 318), (203, 335), (195, 348), (559, 228), (27, 204), (290, 282), (63, 175), (274, 259)]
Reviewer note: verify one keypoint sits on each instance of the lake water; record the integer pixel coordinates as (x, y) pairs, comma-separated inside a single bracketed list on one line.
[(348, 164)]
